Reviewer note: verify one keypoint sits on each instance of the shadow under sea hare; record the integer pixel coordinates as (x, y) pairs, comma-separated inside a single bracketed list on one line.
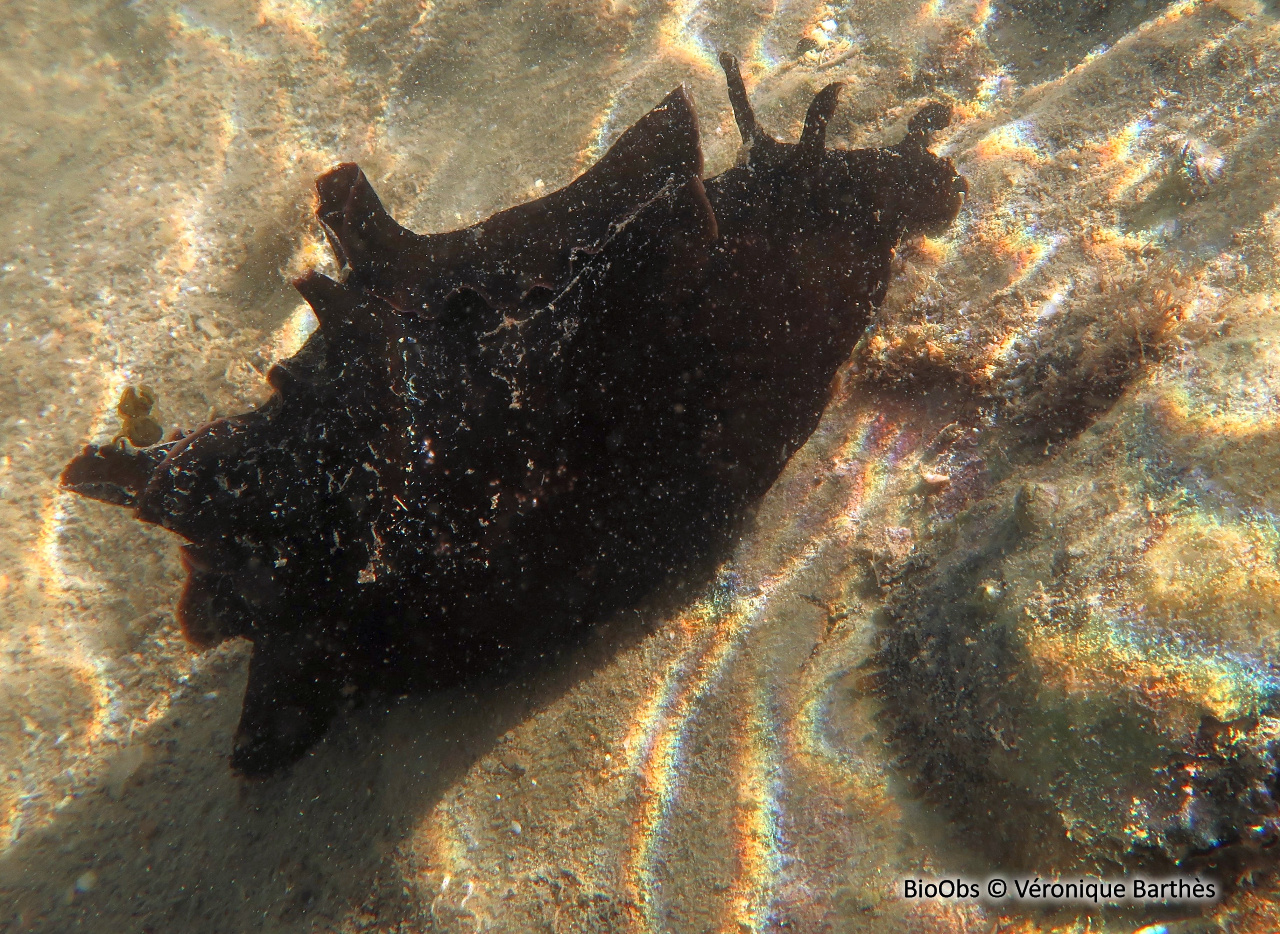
[(500, 433)]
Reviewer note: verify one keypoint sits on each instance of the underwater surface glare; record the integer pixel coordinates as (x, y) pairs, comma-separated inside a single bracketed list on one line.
[(1012, 609)]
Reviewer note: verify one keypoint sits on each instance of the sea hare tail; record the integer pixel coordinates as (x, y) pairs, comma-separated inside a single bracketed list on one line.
[(112, 474)]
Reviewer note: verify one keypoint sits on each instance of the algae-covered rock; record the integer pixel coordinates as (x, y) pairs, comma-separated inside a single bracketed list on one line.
[(1082, 669)]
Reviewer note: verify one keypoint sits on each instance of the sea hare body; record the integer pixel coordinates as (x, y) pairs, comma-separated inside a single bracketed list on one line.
[(501, 433)]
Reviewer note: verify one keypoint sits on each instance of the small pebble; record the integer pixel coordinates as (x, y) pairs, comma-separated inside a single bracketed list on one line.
[(515, 827), (933, 480), (86, 881)]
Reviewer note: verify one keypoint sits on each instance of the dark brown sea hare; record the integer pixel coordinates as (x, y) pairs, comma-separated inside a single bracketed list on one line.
[(501, 433)]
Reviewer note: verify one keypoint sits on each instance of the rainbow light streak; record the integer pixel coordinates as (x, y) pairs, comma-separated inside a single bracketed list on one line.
[(290, 336), (760, 59), (652, 748), (710, 635), (680, 37), (1120, 150), (760, 842), (655, 747), (812, 745), (50, 568), (867, 430), (1172, 13), (640, 744), (1080, 66), (932, 8), (602, 131), (1053, 304), (302, 18), (1029, 251), (883, 446), (811, 720), (991, 86), (1014, 140), (187, 24), (984, 15), (1110, 235), (1006, 347), (1093, 55), (1125, 650), (1247, 408), (61, 642), (664, 736), (982, 102)]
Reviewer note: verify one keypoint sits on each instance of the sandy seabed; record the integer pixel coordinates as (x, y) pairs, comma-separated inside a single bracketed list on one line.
[(1093, 353)]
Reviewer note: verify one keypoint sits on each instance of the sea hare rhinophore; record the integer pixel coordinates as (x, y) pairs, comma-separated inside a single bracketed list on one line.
[(501, 433)]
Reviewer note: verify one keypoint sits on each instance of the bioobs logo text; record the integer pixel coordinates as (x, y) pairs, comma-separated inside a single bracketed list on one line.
[(1128, 891)]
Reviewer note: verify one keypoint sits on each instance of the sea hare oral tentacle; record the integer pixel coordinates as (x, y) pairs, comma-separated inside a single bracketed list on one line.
[(743, 113), (501, 433), (824, 104)]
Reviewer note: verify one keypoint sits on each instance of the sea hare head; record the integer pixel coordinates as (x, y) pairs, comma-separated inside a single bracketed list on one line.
[(897, 191), (915, 191), (930, 193)]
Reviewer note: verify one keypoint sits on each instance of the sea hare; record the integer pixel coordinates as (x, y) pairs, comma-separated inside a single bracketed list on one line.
[(501, 433)]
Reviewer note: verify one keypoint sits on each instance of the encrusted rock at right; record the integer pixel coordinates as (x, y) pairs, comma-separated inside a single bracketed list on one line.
[(1081, 670)]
